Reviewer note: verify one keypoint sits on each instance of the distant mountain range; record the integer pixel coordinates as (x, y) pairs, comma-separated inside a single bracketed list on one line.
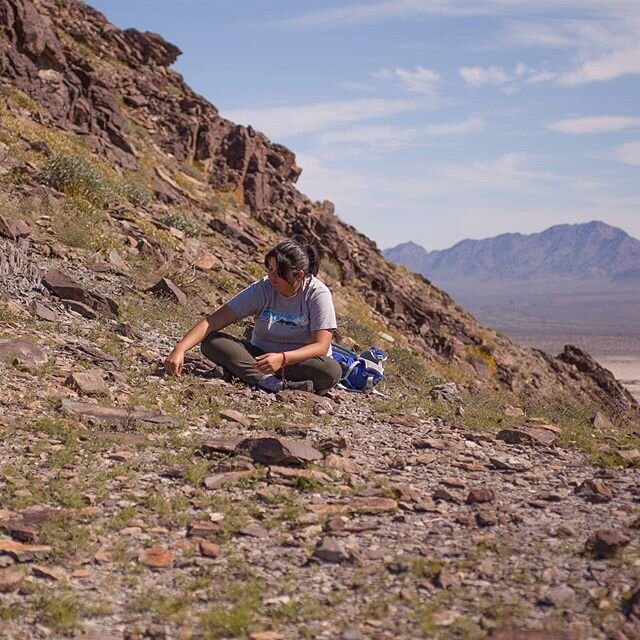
[(590, 251)]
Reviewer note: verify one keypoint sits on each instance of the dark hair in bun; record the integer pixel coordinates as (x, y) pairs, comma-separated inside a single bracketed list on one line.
[(294, 254)]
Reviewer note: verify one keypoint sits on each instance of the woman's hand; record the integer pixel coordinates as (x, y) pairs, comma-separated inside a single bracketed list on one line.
[(173, 364), (269, 362)]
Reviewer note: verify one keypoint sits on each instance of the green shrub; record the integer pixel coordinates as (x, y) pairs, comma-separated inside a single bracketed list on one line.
[(74, 176), (182, 220), (134, 192)]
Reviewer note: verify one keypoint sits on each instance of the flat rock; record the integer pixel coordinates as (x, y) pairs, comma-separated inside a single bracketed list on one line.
[(235, 416), (25, 526), (340, 463), (594, 490), (481, 494), (50, 573), (11, 580), (219, 480), (165, 288), (295, 473), (22, 352), (209, 549), (254, 531), (373, 504), (512, 633), (206, 262), (13, 228), (403, 420), (514, 412), (601, 422), (203, 529), (113, 415), (83, 309), (222, 445), (156, 557), (607, 543), (23, 552), (561, 596), (66, 289), (330, 550), (278, 451), (90, 383), (44, 313), (530, 433)]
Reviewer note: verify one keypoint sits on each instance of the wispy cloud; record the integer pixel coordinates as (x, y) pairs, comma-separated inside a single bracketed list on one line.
[(498, 76), (478, 76), (419, 80), (595, 124), (628, 153), (608, 67), (371, 12), (392, 137), (287, 121)]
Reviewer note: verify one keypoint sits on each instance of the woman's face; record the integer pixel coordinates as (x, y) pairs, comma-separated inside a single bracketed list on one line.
[(282, 286)]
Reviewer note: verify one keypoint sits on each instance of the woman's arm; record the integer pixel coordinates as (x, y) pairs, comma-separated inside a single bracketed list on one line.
[(272, 362), (217, 321)]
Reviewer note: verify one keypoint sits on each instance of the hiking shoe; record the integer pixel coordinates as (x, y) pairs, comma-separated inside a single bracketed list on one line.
[(301, 385)]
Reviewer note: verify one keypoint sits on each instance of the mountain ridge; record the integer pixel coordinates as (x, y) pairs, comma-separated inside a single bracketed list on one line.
[(586, 250)]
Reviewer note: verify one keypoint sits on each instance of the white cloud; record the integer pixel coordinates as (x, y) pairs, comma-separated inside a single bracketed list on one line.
[(628, 153), (478, 76), (372, 12), (391, 137), (595, 124), (287, 121), (608, 67), (420, 80)]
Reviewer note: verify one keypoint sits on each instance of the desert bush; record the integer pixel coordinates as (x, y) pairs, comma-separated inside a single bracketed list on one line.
[(74, 176), (182, 220), (134, 192)]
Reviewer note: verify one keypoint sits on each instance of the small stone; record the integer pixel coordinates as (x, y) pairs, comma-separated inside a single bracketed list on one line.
[(607, 543), (103, 556), (209, 549), (330, 550), (11, 580), (513, 412), (445, 579), (630, 455), (44, 313), (254, 531), (89, 383), (13, 229), (595, 491), (340, 463), (235, 416), (219, 480), (50, 573), (601, 422), (481, 494), (486, 518), (156, 557), (122, 456), (443, 494), (206, 262), (565, 531), (203, 529), (373, 504), (166, 288), (447, 392), (278, 451), (266, 635), (562, 596)]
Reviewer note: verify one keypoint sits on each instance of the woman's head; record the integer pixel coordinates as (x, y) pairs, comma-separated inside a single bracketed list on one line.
[(292, 260)]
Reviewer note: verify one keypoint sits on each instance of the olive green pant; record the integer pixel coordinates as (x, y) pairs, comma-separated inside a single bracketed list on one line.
[(238, 357)]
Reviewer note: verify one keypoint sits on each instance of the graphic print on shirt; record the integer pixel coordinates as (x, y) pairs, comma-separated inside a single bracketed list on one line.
[(286, 319)]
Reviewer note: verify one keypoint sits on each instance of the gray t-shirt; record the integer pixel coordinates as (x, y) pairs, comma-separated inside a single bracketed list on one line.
[(284, 324)]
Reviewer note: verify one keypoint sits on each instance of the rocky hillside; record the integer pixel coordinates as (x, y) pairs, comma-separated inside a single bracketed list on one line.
[(489, 491), (594, 250)]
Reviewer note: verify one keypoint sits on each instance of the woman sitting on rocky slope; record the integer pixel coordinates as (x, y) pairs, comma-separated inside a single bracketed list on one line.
[(294, 323)]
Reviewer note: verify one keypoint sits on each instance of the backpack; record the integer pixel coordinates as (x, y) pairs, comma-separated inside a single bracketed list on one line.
[(359, 372)]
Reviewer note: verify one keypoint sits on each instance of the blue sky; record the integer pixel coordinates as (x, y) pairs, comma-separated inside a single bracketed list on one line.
[(428, 120)]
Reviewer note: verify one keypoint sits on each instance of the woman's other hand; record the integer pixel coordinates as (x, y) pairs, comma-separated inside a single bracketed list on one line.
[(173, 364), (269, 362)]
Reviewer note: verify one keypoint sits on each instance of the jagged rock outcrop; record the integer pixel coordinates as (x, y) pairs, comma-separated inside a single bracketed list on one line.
[(61, 54)]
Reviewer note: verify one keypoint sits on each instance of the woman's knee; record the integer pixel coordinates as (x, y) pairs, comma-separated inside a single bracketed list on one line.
[(216, 346), (329, 375)]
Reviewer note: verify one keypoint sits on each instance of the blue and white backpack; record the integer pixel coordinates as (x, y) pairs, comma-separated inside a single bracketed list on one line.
[(359, 372)]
